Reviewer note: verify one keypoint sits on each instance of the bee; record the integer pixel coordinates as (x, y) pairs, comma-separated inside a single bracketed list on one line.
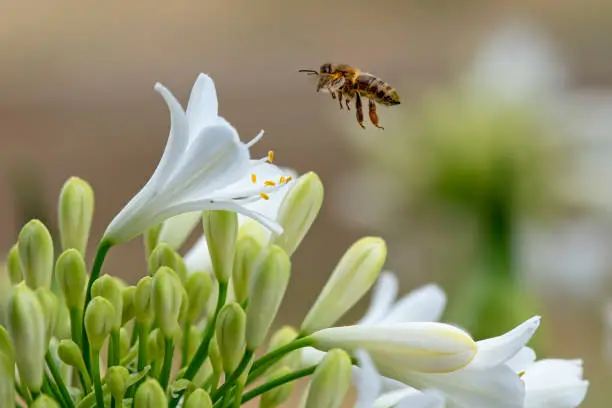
[(348, 83)]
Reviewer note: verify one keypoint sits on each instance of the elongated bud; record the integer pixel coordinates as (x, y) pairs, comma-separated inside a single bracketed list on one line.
[(155, 344), (221, 230), (230, 335), (75, 212), (198, 399), (27, 327), (70, 354), (7, 383), (248, 250), (99, 320), (150, 240), (62, 328), (6, 346), (353, 277), (50, 306), (44, 401), (162, 255), (269, 284), (199, 288), (14, 265), (330, 381), (180, 268), (128, 293), (195, 336), (298, 211), (36, 253), (143, 309), (167, 297), (215, 355), (110, 289), (278, 395), (253, 229), (117, 381), (150, 395), (282, 337), (72, 277), (124, 342)]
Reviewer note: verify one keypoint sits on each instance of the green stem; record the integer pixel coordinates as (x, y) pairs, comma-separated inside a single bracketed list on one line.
[(255, 392), (262, 364), (50, 388), (130, 356), (103, 248), (202, 352), (167, 367), (135, 328), (58, 380), (95, 368), (229, 382), (23, 393), (35, 395), (143, 334), (185, 345), (75, 325), (238, 394), (113, 350)]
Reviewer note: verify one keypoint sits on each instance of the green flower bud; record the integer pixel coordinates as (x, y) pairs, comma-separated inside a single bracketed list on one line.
[(75, 212), (27, 327), (253, 229), (128, 294), (248, 250), (151, 239), (14, 265), (278, 395), (282, 337), (99, 320), (204, 373), (221, 230), (330, 381), (198, 399), (70, 354), (214, 352), (353, 277), (150, 395), (298, 211), (117, 381), (143, 310), (268, 288), (180, 268), (36, 253), (110, 289), (198, 287), (44, 401), (72, 277), (7, 384), (230, 335), (50, 307), (6, 346), (124, 342), (167, 297), (155, 344), (162, 255), (195, 336), (62, 327)]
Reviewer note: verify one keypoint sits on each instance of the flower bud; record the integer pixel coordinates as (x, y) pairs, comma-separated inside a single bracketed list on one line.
[(298, 211), (117, 381), (162, 255), (150, 395), (72, 277), (278, 395), (248, 250), (253, 229), (282, 337), (195, 336), (330, 381), (27, 327), (269, 283), (204, 373), (70, 354), (6, 346), (230, 335), (176, 230), (14, 265), (110, 289), (150, 240), (354, 275), (199, 288), (50, 307), (7, 384), (214, 354), (75, 212), (143, 309), (221, 230), (155, 344), (198, 399), (128, 294), (44, 401), (124, 342), (180, 268), (166, 298), (62, 327), (36, 253), (99, 320)]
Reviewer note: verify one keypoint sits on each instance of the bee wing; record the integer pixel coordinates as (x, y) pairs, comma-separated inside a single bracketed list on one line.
[(337, 83)]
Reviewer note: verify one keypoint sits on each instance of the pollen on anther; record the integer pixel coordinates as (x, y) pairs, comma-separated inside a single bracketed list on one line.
[(254, 178), (281, 180), (269, 183), (271, 156), (288, 179), (264, 196), (521, 374)]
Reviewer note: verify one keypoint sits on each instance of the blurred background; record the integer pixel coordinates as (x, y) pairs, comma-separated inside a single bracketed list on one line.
[(491, 178)]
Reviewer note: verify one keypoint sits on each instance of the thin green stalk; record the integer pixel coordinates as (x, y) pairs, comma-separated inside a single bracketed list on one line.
[(255, 392), (76, 321), (135, 328), (49, 388), (85, 381), (185, 345), (23, 393), (130, 356), (103, 248), (238, 394), (95, 368), (229, 382), (58, 380), (143, 334), (35, 395), (113, 349), (167, 367), (262, 364)]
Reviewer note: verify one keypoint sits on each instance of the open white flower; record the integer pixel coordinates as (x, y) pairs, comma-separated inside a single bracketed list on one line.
[(204, 166)]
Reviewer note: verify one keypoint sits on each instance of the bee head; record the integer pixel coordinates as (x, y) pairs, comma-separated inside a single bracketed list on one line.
[(326, 68)]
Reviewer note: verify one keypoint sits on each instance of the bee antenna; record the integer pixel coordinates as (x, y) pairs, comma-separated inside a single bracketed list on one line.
[(309, 71)]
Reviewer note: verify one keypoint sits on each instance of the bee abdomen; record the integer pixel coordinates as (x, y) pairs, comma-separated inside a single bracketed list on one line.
[(376, 89)]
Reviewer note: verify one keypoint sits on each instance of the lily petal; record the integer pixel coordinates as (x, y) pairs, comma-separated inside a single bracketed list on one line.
[(521, 360), (203, 106), (176, 230), (425, 304), (198, 257), (555, 383), (383, 296), (367, 380)]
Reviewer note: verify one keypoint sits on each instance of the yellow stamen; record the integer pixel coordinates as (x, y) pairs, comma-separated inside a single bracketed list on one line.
[(521, 373), (288, 179), (271, 156), (264, 196), (254, 178), (269, 183), (282, 180)]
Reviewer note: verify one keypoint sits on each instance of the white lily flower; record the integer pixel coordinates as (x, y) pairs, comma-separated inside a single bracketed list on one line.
[(204, 166)]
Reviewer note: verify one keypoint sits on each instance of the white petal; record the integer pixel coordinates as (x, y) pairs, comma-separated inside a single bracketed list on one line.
[(311, 356), (521, 360), (203, 107), (176, 230), (198, 257), (497, 350), (425, 304), (367, 381), (555, 383), (383, 296), (425, 399)]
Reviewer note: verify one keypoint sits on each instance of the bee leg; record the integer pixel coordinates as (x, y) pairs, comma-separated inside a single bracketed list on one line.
[(359, 109), (333, 95), (347, 103), (373, 115), (339, 98)]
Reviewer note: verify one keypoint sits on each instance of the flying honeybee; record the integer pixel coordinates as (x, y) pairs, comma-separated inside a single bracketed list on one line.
[(346, 82)]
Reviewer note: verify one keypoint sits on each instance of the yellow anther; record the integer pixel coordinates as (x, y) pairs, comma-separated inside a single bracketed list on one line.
[(282, 180), (264, 196), (271, 156), (288, 179), (269, 183), (254, 178), (521, 373)]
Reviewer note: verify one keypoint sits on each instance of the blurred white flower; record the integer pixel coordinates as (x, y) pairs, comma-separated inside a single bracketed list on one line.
[(204, 166)]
